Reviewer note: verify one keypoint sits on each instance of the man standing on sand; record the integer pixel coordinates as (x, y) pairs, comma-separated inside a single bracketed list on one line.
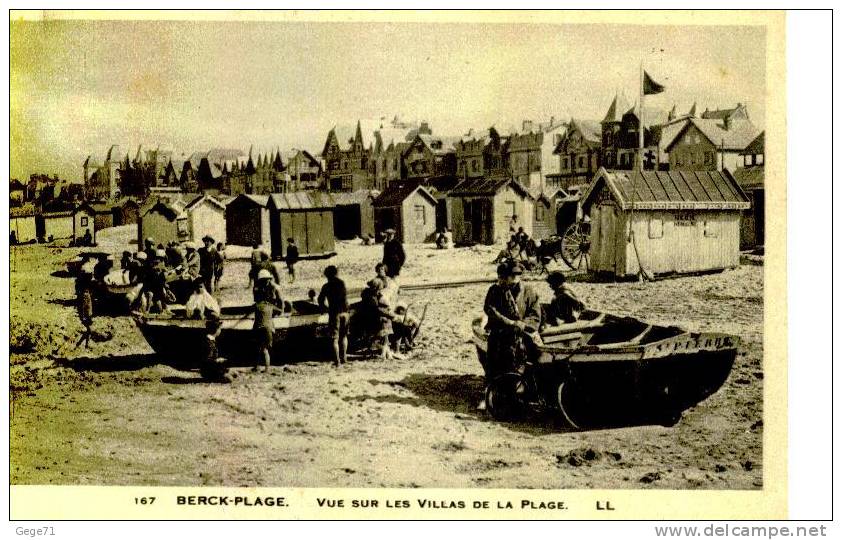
[(513, 311), (256, 250), (85, 303), (394, 256), (336, 295), (207, 263), (291, 258)]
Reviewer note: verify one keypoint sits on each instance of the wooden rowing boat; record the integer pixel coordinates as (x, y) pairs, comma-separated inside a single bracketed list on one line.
[(604, 369), (302, 331)]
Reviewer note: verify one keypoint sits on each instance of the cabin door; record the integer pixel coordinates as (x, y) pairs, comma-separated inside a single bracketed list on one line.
[(604, 242), (481, 224)]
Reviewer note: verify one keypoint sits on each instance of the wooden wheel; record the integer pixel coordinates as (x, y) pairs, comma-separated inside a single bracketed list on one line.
[(576, 246), (563, 402), (503, 399)]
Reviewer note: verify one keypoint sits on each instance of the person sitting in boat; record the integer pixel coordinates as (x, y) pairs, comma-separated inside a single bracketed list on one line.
[(565, 306), (149, 249), (513, 313), (192, 262), (212, 367), (154, 293), (175, 257), (201, 303), (267, 304)]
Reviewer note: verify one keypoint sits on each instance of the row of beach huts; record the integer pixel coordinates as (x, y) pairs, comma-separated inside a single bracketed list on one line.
[(683, 221)]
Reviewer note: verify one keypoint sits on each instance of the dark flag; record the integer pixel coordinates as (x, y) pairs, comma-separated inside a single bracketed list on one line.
[(651, 87)]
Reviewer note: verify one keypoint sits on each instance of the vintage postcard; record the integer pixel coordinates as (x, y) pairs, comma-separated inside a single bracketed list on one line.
[(397, 265)]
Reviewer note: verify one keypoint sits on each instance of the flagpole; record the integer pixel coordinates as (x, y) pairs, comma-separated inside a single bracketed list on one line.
[(640, 123)]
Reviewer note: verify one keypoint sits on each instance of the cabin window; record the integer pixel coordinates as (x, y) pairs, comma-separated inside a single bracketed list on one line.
[(181, 228), (656, 228), (510, 209), (420, 215), (711, 228), (539, 212), (758, 159), (565, 163), (583, 161), (84, 221), (685, 219)]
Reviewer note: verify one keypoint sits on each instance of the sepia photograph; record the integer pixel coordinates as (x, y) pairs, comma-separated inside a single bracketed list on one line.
[(257, 252)]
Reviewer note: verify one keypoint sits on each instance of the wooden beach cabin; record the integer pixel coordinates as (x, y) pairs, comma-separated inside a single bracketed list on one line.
[(750, 176), (247, 220), (306, 216), (126, 212), (682, 221), (206, 216), (22, 224), (353, 215), (54, 224), (482, 209), (84, 221), (409, 209), (163, 222), (544, 217)]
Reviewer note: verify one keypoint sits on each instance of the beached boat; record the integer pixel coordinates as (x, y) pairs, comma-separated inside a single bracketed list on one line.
[(179, 340), (610, 370)]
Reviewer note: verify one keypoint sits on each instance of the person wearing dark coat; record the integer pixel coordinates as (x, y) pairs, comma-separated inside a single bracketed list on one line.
[(513, 311), (207, 263), (394, 256)]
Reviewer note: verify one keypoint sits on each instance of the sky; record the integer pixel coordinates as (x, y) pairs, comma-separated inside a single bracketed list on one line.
[(77, 87)]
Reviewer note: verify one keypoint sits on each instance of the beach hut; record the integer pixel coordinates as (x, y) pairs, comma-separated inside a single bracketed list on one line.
[(409, 209), (544, 217), (22, 224), (353, 215), (750, 177), (206, 216), (306, 216), (483, 210), (247, 220), (54, 224), (163, 222), (680, 221), (84, 222), (125, 212)]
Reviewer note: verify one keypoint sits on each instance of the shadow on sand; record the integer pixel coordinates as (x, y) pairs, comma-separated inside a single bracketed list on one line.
[(106, 364), (459, 394)]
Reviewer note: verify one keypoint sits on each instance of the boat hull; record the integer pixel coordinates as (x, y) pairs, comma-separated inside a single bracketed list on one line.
[(627, 383), (181, 342)]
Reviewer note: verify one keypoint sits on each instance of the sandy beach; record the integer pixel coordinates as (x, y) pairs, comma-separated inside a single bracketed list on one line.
[(117, 414)]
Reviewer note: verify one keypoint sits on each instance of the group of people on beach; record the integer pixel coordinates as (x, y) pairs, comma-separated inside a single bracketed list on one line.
[(381, 321)]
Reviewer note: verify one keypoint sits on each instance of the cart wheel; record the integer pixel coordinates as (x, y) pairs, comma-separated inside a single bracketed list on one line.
[(503, 397), (564, 405), (576, 246)]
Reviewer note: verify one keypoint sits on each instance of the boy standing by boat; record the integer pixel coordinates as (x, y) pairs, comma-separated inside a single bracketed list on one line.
[(267, 302), (336, 295)]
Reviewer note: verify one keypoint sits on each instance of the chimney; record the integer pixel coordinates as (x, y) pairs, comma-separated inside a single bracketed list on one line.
[(552, 122)]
